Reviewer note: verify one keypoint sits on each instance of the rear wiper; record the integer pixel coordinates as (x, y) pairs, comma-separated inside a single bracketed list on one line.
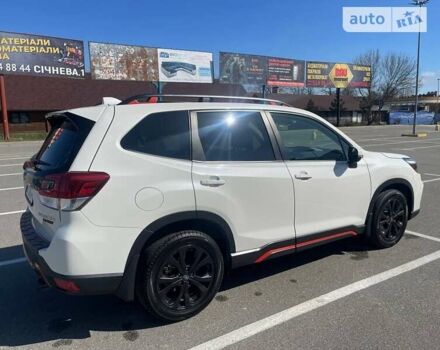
[(40, 162), (33, 163)]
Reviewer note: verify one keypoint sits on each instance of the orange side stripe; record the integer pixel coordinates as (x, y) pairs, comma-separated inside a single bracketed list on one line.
[(274, 251), (317, 240), (303, 244)]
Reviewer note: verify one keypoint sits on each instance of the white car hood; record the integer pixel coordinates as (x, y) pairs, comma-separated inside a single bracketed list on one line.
[(395, 155)]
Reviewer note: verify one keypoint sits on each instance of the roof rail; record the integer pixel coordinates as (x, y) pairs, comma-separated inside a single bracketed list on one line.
[(166, 98)]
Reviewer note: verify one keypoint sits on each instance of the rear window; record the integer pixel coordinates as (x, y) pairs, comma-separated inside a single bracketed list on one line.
[(67, 135)]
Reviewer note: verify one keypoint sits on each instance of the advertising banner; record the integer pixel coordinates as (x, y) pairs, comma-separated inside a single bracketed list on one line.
[(243, 69), (285, 72), (123, 62), (184, 66), (27, 54), (337, 75)]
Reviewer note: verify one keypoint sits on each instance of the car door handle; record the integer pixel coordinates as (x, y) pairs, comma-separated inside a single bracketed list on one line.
[(303, 175), (212, 181)]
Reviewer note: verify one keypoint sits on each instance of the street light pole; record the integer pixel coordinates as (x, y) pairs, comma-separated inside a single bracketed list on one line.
[(418, 3), (438, 88), (416, 104)]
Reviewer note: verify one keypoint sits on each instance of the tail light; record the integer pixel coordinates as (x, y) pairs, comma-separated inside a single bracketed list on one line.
[(70, 191)]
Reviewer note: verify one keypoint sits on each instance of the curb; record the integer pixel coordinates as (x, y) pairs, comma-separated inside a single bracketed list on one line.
[(419, 134)]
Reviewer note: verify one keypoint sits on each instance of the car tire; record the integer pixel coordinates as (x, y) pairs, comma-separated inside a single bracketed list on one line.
[(179, 275), (390, 216)]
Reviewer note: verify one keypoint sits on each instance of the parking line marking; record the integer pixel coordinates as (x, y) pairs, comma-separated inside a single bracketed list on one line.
[(12, 212), (431, 180), (379, 137), (12, 174), (395, 143), (12, 155), (12, 261), (11, 188), (269, 322), (15, 158), (414, 148), (435, 239), (431, 174), (11, 164)]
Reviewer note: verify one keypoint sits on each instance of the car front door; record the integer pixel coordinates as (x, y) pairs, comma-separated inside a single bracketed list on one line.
[(331, 198), (240, 176)]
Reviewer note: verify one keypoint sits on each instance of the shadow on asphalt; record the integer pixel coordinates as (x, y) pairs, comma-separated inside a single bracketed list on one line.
[(32, 314), (10, 253)]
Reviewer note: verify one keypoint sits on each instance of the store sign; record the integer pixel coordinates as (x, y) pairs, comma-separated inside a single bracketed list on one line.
[(184, 66), (27, 54), (123, 62), (337, 75)]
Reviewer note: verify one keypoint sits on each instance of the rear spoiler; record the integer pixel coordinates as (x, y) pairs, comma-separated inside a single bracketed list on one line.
[(110, 101)]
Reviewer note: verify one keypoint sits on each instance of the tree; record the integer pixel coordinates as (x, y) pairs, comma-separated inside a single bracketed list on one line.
[(334, 105), (311, 107), (398, 76), (392, 76), (368, 96)]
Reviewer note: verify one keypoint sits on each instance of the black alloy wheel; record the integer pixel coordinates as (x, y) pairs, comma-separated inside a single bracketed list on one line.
[(179, 275), (185, 277), (389, 219), (392, 219)]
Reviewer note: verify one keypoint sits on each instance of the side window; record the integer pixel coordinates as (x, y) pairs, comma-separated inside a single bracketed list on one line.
[(303, 138), (164, 134), (234, 136)]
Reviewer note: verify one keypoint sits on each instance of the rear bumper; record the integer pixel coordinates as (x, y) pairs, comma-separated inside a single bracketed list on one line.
[(85, 285)]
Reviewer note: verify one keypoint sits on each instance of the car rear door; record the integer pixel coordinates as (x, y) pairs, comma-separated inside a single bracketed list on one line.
[(238, 175), (329, 194)]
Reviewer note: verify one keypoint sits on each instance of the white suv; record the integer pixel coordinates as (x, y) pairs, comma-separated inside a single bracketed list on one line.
[(158, 200)]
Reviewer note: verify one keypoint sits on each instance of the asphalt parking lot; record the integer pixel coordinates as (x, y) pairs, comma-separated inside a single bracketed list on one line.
[(343, 295)]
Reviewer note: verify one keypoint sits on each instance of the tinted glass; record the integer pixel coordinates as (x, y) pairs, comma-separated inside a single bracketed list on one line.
[(234, 136), (306, 139), (68, 133), (163, 134)]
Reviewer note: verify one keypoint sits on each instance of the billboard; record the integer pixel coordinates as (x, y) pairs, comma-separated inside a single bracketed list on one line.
[(27, 54), (123, 62), (337, 75), (285, 72), (236, 68), (184, 66)]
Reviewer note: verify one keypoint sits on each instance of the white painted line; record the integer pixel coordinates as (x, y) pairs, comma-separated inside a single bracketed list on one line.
[(415, 148), (431, 174), (264, 324), (431, 180), (7, 155), (11, 262), (11, 164), (380, 137), (396, 143), (11, 188), (435, 239), (12, 174), (15, 158), (12, 212)]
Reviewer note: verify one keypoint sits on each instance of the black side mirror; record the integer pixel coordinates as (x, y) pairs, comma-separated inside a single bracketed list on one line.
[(353, 157)]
